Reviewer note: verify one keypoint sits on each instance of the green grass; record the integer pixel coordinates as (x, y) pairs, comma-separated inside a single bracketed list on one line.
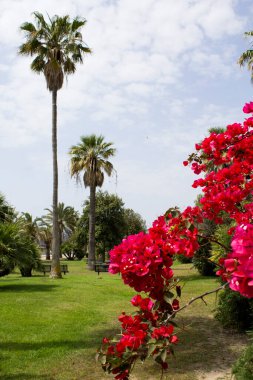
[(50, 329)]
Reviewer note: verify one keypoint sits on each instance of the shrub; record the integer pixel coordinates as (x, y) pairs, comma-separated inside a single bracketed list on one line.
[(243, 368), (201, 259), (183, 259), (234, 311)]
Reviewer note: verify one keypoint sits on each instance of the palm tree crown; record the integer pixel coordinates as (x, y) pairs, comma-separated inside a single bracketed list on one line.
[(57, 45), (91, 157), (247, 56)]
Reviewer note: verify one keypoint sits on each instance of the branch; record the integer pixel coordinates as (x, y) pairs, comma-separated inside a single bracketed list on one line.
[(210, 238), (197, 298)]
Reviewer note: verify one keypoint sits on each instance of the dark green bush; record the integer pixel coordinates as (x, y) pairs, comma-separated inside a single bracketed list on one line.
[(201, 259), (234, 311), (243, 368), (183, 259)]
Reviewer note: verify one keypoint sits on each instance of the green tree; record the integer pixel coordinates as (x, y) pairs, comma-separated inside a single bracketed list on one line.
[(17, 248), (90, 157), (57, 46), (247, 57), (67, 220), (134, 222), (113, 222), (7, 212)]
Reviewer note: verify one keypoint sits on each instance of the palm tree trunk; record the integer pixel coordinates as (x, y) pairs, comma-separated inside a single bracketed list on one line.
[(55, 268), (47, 251), (91, 257)]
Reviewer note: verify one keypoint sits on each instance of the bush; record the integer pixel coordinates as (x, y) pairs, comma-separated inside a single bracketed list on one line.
[(243, 368), (234, 311), (201, 259), (183, 259)]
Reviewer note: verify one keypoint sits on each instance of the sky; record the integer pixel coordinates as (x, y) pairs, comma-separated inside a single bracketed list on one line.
[(161, 73)]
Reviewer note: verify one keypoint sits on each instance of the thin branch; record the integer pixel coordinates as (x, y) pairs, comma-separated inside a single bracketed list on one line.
[(210, 238), (197, 298)]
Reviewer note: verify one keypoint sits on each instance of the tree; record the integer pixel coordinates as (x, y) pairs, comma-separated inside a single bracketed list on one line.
[(7, 212), (134, 222), (90, 157), (67, 220), (247, 56), (57, 46), (110, 226)]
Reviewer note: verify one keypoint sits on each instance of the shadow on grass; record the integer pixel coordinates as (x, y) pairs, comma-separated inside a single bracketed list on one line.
[(205, 346), (26, 287)]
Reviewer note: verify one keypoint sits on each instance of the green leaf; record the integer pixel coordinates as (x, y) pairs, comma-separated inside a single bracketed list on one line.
[(164, 355), (151, 349), (168, 296)]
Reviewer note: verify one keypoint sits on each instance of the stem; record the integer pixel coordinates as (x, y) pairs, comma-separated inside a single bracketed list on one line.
[(197, 298), (210, 238)]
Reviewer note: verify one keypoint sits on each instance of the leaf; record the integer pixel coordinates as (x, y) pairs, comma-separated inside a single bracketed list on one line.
[(168, 296), (164, 355), (151, 349), (103, 359), (178, 290)]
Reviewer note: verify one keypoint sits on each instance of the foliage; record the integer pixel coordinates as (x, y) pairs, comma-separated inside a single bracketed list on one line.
[(134, 223), (234, 311), (202, 259), (73, 248), (67, 219), (113, 222), (7, 212), (222, 236), (57, 46), (17, 248), (243, 368)]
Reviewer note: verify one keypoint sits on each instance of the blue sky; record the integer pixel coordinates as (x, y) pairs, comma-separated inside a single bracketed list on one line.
[(162, 72)]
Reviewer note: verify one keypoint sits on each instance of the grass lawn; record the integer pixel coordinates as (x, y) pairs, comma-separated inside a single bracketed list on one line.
[(50, 329)]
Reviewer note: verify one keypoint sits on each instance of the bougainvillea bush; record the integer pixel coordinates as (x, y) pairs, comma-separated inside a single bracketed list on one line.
[(224, 164)]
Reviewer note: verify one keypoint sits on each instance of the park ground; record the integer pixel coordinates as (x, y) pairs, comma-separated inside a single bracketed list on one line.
[(51, 329)]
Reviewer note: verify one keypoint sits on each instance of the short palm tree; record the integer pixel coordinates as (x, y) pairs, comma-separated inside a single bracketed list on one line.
[(90, 157), (247, 56), (57, 46), (67, 219)]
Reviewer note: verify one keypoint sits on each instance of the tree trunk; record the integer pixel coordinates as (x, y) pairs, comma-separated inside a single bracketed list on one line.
[(91, 257), (55, 266), (47, 251)]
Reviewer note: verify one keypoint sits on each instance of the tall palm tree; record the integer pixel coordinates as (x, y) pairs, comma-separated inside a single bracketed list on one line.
[(247, 56), (90, 157), (57, 46)]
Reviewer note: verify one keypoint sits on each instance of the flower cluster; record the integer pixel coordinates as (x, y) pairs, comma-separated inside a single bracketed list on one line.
[(226, 160), (143, 335), (238, 265), (144, 260)]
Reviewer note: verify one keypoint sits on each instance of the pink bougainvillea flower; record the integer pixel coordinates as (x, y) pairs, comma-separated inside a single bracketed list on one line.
[(248, 107)]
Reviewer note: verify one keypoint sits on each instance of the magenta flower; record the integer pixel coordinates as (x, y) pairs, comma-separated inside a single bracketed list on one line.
[(248, 107)]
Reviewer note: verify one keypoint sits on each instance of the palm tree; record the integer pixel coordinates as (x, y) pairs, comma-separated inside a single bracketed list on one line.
[(90, 156), (67, 220), (57, 46), (247, 56)]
